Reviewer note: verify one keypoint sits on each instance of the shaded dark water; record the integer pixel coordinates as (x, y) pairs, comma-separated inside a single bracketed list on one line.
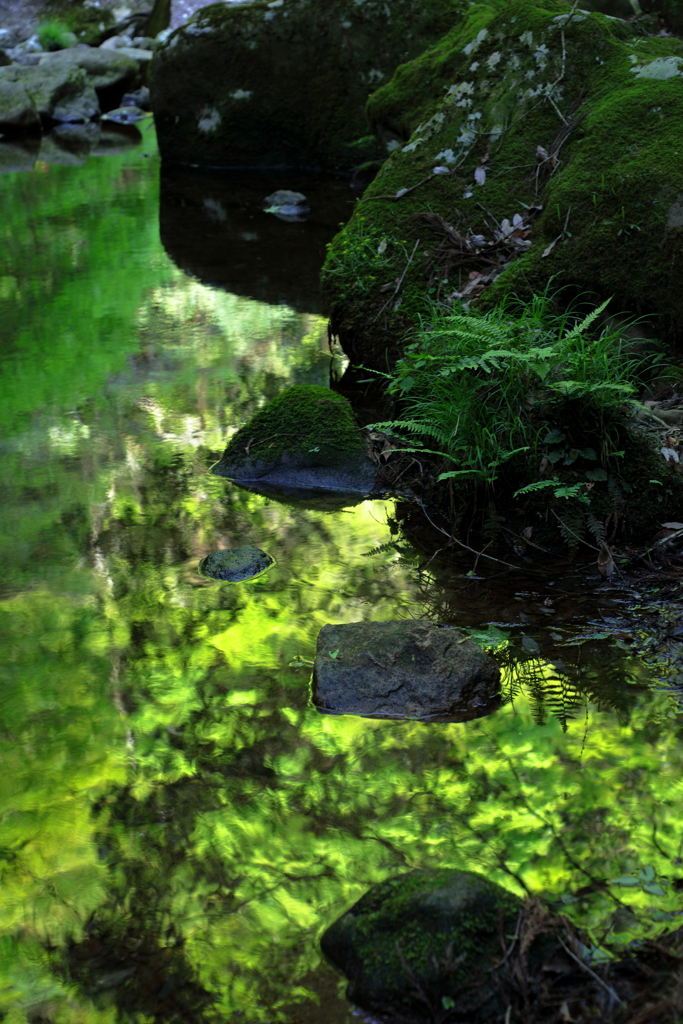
[(178, 822)]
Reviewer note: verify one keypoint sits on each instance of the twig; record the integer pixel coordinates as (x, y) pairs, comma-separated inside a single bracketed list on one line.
[(400, 282), (580, 539), (589, 970), (466, 546), (662, 540)]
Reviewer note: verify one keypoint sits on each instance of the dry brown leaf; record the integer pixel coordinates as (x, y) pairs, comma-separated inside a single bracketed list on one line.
[(606, 564), (480, 175), (549, 248)]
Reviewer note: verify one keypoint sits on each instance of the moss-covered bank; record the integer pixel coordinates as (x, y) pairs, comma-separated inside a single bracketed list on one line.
[(567, 119)]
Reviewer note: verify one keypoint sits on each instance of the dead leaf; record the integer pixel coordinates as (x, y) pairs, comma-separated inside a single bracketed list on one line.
[(549, 248), (480, 175), (565, 1015), (670, 453), (673, 526), (606, 564), (541, 153), (485, 158), (401, 192)]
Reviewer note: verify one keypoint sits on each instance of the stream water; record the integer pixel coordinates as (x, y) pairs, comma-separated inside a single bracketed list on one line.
[(179, 823)]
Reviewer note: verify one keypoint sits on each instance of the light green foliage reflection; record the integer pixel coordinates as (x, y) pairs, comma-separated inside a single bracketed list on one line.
[(163, 774)]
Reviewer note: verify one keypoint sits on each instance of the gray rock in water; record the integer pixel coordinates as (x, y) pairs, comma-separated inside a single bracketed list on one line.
[(285, 84), (434, 934), (29, 95), (236, 564), (18, 154), (125, 115), (104, 68), (287, 205), (410, 668)]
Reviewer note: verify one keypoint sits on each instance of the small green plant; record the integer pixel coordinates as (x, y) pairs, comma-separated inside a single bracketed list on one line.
[(55, 35), (489, 387)]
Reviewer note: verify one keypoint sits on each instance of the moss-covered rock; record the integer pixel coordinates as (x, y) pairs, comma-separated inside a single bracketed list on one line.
[(435, 934), (236, 565), (284, 83), (306, 439), (566, 118)]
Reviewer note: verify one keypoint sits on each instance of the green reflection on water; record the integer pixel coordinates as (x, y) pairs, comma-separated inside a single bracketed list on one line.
[(165, 783)]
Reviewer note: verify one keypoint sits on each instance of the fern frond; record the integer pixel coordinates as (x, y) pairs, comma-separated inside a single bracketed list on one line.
[(579, 329), (415, 427), (538, 485), (596, 528)]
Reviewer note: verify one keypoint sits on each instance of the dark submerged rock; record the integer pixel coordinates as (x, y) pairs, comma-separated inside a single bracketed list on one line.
[(441, 931), (236, 565), (409, 668), (307, 438)]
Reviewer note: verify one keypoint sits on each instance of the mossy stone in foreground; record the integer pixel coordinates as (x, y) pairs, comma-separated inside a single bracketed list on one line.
[(235, 565), (438, 929), (306, 438)]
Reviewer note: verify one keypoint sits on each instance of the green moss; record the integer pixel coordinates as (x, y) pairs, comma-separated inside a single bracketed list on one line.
[(304, 417), (619, 180), (439, 927), (87, 23)]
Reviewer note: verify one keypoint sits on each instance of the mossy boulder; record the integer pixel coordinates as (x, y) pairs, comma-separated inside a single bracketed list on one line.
[(305, 440), (236, 565), (437, 934), (284, 83), (566, 119)]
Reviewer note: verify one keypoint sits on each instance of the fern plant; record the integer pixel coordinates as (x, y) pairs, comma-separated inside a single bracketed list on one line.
[(486, 386)]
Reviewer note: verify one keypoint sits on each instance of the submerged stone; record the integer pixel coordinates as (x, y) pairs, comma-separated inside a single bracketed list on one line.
[(307, 438), (435, 934), (287, 205), (236, 565), (409, 668)]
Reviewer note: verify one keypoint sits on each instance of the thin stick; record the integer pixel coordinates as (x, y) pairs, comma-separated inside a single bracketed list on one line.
[(580, 539), (400, 282), (584, 966), (473, 551)]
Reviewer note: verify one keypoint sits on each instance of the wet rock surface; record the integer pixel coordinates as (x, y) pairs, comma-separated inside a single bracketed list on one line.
[(425, 937), (236, 565), (409, 668)]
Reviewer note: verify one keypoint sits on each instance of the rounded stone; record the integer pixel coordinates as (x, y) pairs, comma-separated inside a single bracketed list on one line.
[(235, 565)]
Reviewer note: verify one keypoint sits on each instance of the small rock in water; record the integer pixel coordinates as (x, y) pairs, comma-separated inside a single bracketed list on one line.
[(137, 98), (125, 115), (287, 205), (235, 565)]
